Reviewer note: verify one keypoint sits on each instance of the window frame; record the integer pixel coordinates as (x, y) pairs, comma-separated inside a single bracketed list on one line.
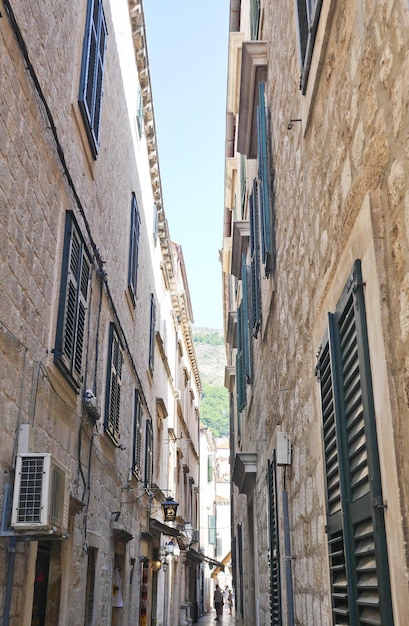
[(134, 241), (152, 334), (148, 470), (113, 390), (137, 435), (308, 15), (355, 510), (73, 303), (92, 78)]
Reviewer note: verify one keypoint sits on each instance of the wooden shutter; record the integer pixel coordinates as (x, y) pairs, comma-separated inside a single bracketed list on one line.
[(254, 18), (255, 261), (92, 72), (114, 385), (264, 178), (152, 333), (245, 318), (356, 532), (212, 529), (240, 377), (148, 455), (133, 249), (137, 443), (308, 13), (75, 279), (275, 591)]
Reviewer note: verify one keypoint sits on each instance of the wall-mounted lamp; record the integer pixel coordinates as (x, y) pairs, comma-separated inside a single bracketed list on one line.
[(156, 565), (165, 565), (170, 547), (169, 508)]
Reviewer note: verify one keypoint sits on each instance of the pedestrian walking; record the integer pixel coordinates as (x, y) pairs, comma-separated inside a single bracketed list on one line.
[(218, 600), (230, 602)]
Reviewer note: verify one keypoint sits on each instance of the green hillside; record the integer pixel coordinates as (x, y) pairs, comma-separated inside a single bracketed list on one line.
[(211, 356)]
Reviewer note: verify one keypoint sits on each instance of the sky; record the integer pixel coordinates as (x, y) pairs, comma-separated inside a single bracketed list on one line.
[(187, 49)]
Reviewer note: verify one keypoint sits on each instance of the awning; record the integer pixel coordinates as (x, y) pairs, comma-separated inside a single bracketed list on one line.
[(225, 562), (155, 526), (201, 557)]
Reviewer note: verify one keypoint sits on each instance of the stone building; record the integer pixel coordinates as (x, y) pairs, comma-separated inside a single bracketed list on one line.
[(99, 386), (315, 269)]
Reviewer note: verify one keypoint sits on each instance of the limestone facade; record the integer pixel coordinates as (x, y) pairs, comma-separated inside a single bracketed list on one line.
[(94, 297), (315, 266)]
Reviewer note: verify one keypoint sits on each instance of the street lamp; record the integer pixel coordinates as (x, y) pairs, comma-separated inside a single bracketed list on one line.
[(169, 508)]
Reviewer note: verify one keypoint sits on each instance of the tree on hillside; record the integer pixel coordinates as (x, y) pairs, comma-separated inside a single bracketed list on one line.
[(214, 409)]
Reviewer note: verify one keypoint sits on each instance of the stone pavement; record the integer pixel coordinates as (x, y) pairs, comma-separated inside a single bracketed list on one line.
[(209, 619)]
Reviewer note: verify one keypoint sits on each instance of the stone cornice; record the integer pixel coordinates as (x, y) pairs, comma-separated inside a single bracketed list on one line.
[(142, 62)]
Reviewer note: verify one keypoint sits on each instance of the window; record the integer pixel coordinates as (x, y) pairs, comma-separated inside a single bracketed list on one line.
[(137, 436), (92, 72), (73, 304), (90, 587), (255, 261), (212, 529), (264, 182), (155, 223), (139, 113), (133, 249), (274, 547), (152, 333), (148, 455), (254, 18), (358, 562), (114, 385), (308, 17)]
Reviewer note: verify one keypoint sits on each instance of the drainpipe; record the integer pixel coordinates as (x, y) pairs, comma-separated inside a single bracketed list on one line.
[(287, 561), (234, 25)]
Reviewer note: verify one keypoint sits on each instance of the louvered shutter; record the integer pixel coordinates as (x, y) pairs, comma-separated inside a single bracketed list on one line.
[(264, 179), (255, 261), (74, 293), (240, 378), (137, 445), (92, 72), (308, 13), (133, 249), (152, 329), (275, 592), (356, 532), (245, 280), (254, 18), (114, 386), (148, 455)]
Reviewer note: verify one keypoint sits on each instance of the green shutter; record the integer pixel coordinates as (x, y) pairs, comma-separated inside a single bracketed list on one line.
[(137, 443), (255, 261), (209, 468), (245, 280), (114, 385), (134, 249), (240, 376), (92, 72), (74, 293), (212, 529), (356, 532), (149, 455), (275, 591), (264, 178), (254, 18), (152, 329)]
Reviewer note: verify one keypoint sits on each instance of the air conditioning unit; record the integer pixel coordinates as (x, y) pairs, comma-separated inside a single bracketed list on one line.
[(41, 495)]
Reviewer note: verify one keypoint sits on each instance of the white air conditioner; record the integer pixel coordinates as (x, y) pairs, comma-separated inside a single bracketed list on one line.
[(41, 495)]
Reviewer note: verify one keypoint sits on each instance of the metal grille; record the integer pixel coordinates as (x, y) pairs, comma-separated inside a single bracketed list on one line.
[(57, 499), (31, 490)]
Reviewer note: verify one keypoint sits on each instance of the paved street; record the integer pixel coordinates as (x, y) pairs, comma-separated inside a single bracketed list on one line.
[(209, 619)]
